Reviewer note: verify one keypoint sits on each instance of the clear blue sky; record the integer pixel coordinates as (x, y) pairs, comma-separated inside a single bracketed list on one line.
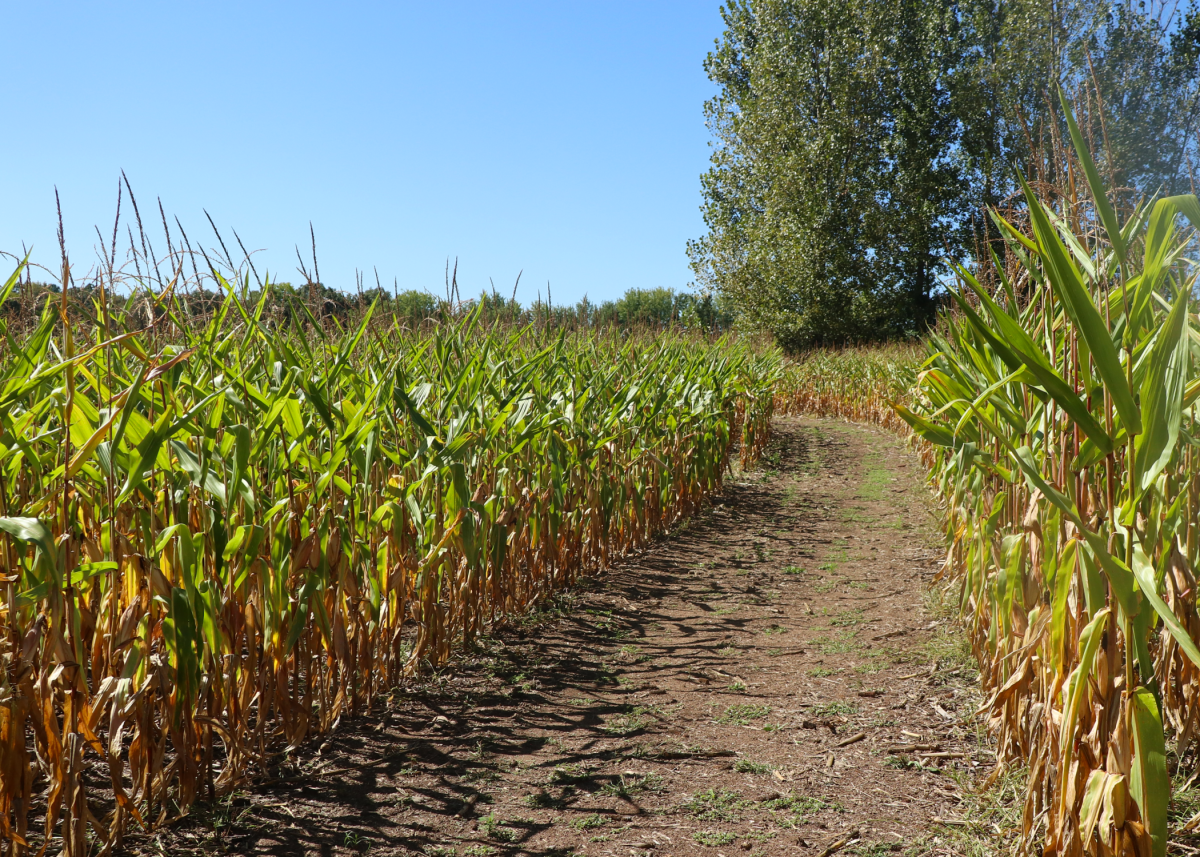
[(562, 138)]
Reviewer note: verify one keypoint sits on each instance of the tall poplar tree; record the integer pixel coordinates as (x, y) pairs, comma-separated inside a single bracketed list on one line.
[(856, 144), (834, 182)]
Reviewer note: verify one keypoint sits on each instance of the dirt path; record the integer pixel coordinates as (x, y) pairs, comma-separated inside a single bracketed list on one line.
[(744, 687)]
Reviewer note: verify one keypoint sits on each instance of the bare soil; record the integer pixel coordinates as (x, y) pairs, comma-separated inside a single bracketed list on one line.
[(767, 680)]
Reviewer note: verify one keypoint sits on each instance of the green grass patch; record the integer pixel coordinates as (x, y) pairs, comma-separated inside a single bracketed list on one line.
[(839, 708), (569, 774), (717, 804), (713, 838), (749, 766), (837, 646), (875, 481), (792, 810), (494, 828), (634, 720), (993, 820), (743, 714), (869, 667), (847, 619)]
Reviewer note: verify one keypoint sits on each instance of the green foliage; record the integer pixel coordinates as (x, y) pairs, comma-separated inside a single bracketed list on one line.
[(659, 308), (414, 304), (494, 828), (718, 804), (834, 709), (713, 838), (589, 822), (843, 179), (634, 720), (834, 188), (1133, 67), (284, 304), (234, 507), (791, 810), (743, 714), (1060, 432)]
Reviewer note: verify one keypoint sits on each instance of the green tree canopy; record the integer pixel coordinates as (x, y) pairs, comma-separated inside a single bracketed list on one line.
[(857, 144)]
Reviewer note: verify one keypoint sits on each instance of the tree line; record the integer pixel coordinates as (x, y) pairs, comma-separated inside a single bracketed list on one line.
[(283, 303)]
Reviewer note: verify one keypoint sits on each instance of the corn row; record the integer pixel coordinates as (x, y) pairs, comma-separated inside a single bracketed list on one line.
[(1059, 421), (855, 384), (214, 543)]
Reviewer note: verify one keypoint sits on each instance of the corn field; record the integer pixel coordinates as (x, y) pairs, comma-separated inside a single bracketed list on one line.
[(1058, 412), (217, 539), (856, 384)]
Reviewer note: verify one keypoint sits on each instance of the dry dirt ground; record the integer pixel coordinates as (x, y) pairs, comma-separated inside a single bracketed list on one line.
[(769, 679)]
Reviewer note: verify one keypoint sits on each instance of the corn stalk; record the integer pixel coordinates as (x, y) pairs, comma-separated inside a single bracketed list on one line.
[(1060, 421)]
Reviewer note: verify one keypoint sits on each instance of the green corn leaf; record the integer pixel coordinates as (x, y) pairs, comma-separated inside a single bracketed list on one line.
[(1189, 207), (1013, 304), (351, 344), (1096, 591), (1077, 684), (1103, 792), (316, 397), (1099, 789), (1025, 460), (1079, 306), (1018, 350), (1160, 228), (88, 570), (1120, 578), (299, 619), (1108, 216), (1148, 780), (1012, 558), (30, 530), (292, 419), (413, 408), (147, 453), (180, 632), (12, 280), (84, 451), (1064, 575), (201, 477), (1162, 395), (1143, 571), (129, 409), (927, 428)]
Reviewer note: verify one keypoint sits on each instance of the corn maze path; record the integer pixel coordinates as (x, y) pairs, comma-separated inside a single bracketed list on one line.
[(769, 679)]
